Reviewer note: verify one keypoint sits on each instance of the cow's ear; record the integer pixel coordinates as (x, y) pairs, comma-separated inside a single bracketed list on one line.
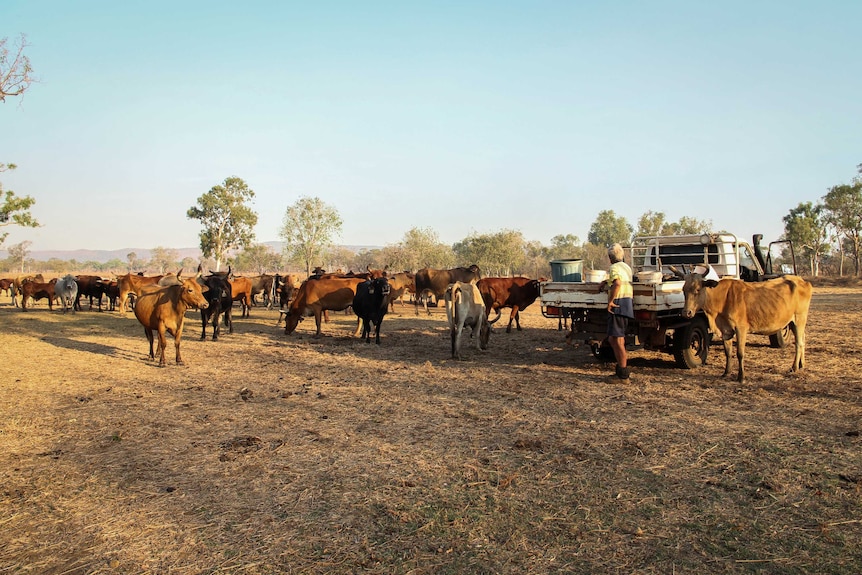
[(710, 283)]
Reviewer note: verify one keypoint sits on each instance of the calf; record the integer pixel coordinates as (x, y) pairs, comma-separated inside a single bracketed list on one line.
[(370, 304), (464, 307), (241, 291), (163, 310), (736, 308)]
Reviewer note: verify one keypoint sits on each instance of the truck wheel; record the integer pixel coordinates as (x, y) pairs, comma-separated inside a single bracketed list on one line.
[(691, 344), (603, 353), (779, 339)]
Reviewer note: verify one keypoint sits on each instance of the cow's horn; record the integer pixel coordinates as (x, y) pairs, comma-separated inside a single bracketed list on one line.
[(676, 272)]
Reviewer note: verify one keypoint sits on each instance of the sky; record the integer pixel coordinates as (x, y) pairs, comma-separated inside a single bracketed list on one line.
[(459, 117)]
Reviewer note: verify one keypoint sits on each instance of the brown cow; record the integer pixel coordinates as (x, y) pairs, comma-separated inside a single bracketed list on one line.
[(317, 296), (6, 285), (516, 293), (399, 284), (429, 280), (736, 308), (37, 290), (241, 291), (132, 284), (163, 310)]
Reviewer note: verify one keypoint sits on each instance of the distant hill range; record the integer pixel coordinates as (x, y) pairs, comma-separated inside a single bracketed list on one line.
[(102, 256)]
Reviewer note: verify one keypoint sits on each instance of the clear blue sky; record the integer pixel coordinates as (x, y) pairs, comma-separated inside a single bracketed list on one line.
[(462, 117)]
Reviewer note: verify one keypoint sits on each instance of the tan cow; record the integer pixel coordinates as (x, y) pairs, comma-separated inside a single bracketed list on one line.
[(399, 284), (241, 289), (132, 284), (736, 308), (163, 309), (316, 296), (465, 307)]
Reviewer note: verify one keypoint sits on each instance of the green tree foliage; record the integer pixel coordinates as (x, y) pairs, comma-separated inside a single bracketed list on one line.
[(497, 254), (308, 229), (655, 224), (565, 247), (16, 74), (608, 229), (228, 223), (806, 226), (258, 259), (843, 211), (421, 248), (165, 260), (14, 211)]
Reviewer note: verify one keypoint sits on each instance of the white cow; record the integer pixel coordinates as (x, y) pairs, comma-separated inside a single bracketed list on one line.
[(464, 307), (66, 289)]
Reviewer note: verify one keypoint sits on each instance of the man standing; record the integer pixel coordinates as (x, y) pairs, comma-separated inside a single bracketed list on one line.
[(620, 309)]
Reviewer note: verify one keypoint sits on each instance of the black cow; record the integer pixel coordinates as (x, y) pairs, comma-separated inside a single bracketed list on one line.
[(220, 299), (435, 282), (370, 305), (90, 287)]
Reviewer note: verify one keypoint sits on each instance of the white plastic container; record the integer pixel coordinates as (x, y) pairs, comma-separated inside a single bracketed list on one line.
[(648, 277), (596, 276)]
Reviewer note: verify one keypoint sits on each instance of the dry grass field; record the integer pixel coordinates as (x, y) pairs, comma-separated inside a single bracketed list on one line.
[(273, 454)]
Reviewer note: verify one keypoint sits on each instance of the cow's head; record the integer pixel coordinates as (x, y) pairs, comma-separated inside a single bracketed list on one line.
[(192, 293), (695, 289), (291, 320)]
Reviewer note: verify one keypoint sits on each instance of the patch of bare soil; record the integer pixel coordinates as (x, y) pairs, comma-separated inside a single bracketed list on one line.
[(269, 453)]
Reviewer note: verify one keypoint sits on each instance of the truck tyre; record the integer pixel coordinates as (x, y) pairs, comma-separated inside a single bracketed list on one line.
[(691, 344), (779, 339)]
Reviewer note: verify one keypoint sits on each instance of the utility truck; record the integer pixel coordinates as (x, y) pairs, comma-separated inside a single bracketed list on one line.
[(657, 262)]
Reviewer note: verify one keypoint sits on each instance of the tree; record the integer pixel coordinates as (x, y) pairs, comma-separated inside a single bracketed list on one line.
[(655, 224), (16, 74), (14, 211), (307, 229), (843, 208), (163, 259), (806, 226), (565, 247), (650, 224), (134, 262), (421, 247), (496, 254), (18, 254), (609, 229), (258, 258), (228, 222)]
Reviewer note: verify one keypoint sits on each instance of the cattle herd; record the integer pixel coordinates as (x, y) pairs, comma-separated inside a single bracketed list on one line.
[(732, 307)]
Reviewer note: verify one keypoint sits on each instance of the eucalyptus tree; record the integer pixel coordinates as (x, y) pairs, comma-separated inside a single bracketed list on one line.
[(843, 208), (308, 229), (228, 222), (608, 229), (806, 226)]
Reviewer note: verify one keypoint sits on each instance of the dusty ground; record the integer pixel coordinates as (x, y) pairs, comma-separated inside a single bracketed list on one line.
[(276, 454)]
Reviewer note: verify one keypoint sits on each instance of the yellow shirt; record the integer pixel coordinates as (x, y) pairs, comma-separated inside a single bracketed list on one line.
[(621, 271)]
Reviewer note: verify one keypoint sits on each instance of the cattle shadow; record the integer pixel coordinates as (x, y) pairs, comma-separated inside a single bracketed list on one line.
[(89, 347)]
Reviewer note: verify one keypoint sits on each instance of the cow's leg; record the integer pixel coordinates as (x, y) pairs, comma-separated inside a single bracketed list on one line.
[(512, 317), (318, 318), (149, 333), (215, 321), (517, 318), (360, 327), (453, 334), (162, 344), (228, 319), (741, 335), (728, 344), (204, 325), (377, 330), (177, 338)]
